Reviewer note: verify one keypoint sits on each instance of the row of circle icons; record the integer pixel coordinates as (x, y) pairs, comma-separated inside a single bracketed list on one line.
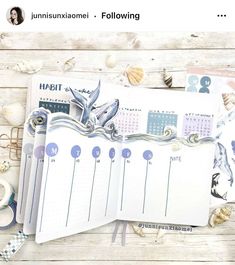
[(52, 150)]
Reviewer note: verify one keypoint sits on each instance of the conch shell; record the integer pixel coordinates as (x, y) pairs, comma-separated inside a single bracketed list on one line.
[(29, 67), (167, 78), (4, 166), (229, 100), (220, 215), (69, 64), (14, 113), (135, 75)]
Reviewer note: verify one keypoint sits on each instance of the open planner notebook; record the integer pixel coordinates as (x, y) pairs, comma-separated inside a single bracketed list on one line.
[(75, 177)]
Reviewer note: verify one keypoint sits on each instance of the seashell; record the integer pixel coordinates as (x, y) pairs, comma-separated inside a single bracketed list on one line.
[(29, 67), (220, 215), (36, 117), (229, 100), (111, 61), (135, 75), (175, 146), (160, 234), (169, 131), (193, 138), (69, 64), (138, 230), (14, 113), (4, 166), (167, 78)]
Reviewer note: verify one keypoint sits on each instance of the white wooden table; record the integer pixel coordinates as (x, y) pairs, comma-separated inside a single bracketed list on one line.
[(174, 51)]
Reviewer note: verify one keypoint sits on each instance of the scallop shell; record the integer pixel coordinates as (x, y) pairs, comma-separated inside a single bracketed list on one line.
[(14, 113), (137, 230), (69, 64), (29, 67), (111, 61), (220, 215), (4, 166), (229, 100), (135, 75), (167, 78)]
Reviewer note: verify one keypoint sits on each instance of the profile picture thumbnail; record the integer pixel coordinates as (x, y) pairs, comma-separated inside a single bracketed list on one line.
[(15, 15)]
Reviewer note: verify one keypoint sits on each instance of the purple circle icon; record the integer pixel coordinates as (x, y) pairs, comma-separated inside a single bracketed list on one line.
[(112, 153), (126, 153), (148, 155), (39, 152), (76, 151), (52, 149), (96, 152), (28, 149), (233, 146)]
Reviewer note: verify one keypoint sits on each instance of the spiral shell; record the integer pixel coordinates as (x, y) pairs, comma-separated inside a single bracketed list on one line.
[(4, 166), (36, 117), (229, 100), (169, 131), (193, 138), (69, 64), (111, 61), (220, 215), (167, 78), (135, 75)]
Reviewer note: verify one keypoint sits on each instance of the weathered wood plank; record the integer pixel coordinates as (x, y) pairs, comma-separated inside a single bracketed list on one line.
[(121, 262), (91, 65), (99, 247), (116, 40), (227, 228)]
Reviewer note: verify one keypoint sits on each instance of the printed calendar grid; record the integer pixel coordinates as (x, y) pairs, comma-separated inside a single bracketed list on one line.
[(128, 120), (157, 121), (201, 124)]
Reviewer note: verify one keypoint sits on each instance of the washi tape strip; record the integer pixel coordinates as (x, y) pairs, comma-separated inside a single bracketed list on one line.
[(13, 246), (12, 206), (8, 195)]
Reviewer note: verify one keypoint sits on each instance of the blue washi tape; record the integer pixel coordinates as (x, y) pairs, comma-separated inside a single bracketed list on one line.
[(12, 206)]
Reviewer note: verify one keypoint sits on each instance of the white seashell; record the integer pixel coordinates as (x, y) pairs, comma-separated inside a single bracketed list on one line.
[(69, 64), (29, 67), (137, 230), (160, 234), (220, 215), (175, 146), (4, 166), (14, 113), (135, 75), (111, 61)]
